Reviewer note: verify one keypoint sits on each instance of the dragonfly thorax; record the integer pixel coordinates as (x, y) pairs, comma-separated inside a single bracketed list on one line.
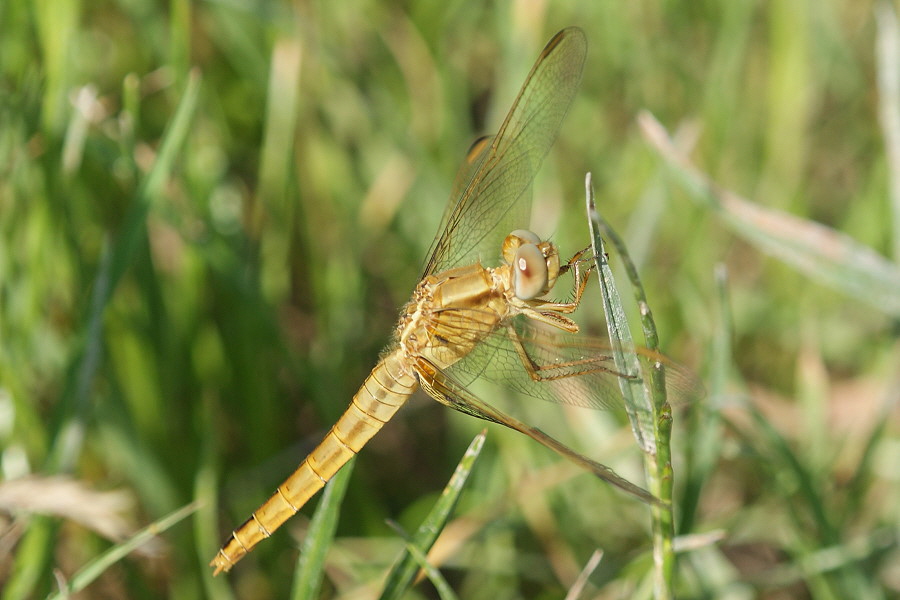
[(452, 311)]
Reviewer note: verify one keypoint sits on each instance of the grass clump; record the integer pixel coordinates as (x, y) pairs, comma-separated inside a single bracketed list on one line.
[(211, 212)]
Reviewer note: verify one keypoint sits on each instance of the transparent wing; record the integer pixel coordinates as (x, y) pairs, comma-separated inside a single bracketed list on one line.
[(543, 362), (494, 191), (446, 390)]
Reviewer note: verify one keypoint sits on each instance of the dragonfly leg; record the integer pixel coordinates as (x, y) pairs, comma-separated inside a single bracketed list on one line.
[(577, 258), (580, 277), (562, 369), (553, 313)]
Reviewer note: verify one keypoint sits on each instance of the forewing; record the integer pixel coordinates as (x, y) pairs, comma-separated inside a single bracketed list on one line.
[(496, 197)]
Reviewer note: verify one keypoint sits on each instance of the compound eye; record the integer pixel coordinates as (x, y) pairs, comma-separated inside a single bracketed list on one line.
[(529, 272), (528, 236), (515, 240)]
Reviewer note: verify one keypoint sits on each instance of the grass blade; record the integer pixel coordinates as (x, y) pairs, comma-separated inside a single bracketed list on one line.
[(645, 396), (824, 254), (577, 587), (133, 232), (310, 564), (640, 412), (32, 556), (405, 569), (116, 257), (99, 565), (703, 427), (887, 53), (445, 592)]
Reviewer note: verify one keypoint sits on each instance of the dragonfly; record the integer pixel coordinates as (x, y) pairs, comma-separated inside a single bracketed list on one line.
[(467, 321)]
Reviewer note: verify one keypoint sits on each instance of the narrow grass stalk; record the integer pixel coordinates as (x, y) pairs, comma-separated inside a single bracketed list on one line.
[(67, 441), (134, 230), (703, 427), (404, 570), (887, 53), (445, 592), (319, 538), (810, 508), (32, 555), (206, 532), (99, 565), (644, 395), (858, 486), (577, 587)]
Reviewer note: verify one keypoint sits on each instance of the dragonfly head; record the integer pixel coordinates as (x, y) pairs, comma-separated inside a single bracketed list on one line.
[(534, 264)]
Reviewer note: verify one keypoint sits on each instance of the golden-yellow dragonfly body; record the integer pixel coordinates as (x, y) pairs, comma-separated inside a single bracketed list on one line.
[(466, 320)]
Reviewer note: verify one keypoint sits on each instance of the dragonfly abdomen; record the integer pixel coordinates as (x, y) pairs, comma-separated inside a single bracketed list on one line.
[(384, 391)]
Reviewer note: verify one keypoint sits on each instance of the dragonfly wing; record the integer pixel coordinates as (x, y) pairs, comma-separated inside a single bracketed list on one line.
[(570, 369), (495, 197), (447, 391), (475, 157)]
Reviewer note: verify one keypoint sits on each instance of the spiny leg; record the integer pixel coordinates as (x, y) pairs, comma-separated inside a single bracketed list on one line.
[(580, 279), (569, 368), (553, 313)]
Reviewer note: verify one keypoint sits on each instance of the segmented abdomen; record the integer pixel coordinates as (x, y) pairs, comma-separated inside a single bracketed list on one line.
[(384, 391)]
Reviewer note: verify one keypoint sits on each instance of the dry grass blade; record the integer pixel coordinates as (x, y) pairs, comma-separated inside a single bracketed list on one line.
[(106, 513), (578, 587), (827, 255)]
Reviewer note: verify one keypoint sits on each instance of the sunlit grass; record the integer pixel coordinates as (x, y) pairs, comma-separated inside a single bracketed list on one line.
[(212, 212)]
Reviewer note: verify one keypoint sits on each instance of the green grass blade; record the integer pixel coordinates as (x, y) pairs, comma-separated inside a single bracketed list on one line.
[(637, 405), (858, 486), (405, 569), (69, 437), (99, 565), (445, 592), (114, 261), (810, 509), (31, 559), (887, 48), (704, 437), (319, 538), (133, 232), (68, 440), (644, 399)]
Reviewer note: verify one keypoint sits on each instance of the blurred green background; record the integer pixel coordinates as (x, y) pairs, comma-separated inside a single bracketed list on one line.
[(211, 213)]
